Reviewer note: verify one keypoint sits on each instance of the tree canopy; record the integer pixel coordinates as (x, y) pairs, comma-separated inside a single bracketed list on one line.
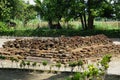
[(54, 11), (85, 10), (16, 9)]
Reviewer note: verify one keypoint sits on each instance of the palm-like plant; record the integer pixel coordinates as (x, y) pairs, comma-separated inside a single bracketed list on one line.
[(34, 64), (28, 64), (16, 61), (44, 63), (58, 65), (12, 60), (51, 66), (79, 64), (39, 65), (72, 65), (65, 66), (22, 64)]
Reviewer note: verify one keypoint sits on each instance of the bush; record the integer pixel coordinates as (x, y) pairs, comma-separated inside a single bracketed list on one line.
[(3, 26), (94, 72)]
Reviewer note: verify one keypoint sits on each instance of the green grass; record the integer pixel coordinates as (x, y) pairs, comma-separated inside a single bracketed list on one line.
[(110, 25), (74, 30)]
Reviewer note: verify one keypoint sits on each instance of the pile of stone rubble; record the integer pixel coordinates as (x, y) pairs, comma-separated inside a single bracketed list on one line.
[(61, 49)]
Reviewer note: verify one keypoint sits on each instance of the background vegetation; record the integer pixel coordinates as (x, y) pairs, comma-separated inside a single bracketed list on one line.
[(59, 17)]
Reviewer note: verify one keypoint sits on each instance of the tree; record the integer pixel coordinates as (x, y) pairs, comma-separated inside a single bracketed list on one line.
[(65, 66), (116, 4), (58, 65), (28, 13), (28, 64), (16, 61), (48, 9), (16, 9), (10, 9), (51, 66), (44, 63), (34, 64), (4, 10), (22, 64), (87, 10), (79, 64), (72, 65)]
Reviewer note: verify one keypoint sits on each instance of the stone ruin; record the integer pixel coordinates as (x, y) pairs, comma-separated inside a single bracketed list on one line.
[(61, 49)]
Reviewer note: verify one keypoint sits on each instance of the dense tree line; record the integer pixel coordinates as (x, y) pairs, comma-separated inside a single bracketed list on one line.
[(85, 10), (16, 9), (54, 11)]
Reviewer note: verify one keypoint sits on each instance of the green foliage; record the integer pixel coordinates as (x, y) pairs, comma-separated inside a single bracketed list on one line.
[(48, 9), (80, 63), (2, 57), (58, 65), (116, 6), (86, 10), (104, 62), (3, 26), (93, 72), (44, 63), (77, 76), (12, 59), (28, 13), (28, 63), (73, 64), (10, 9), (112, 33), (16, 9), (34, 64), (16, 60), (22, 64), (4, 10)]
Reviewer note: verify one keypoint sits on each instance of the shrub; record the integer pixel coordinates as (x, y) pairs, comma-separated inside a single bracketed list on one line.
[(94, 72), (3, 26)]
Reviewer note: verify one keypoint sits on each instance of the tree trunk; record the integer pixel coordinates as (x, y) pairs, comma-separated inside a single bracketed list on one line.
[(90, 22), (83, 26), (85, 21), (90, 16), (50, 23), (59, 25)]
